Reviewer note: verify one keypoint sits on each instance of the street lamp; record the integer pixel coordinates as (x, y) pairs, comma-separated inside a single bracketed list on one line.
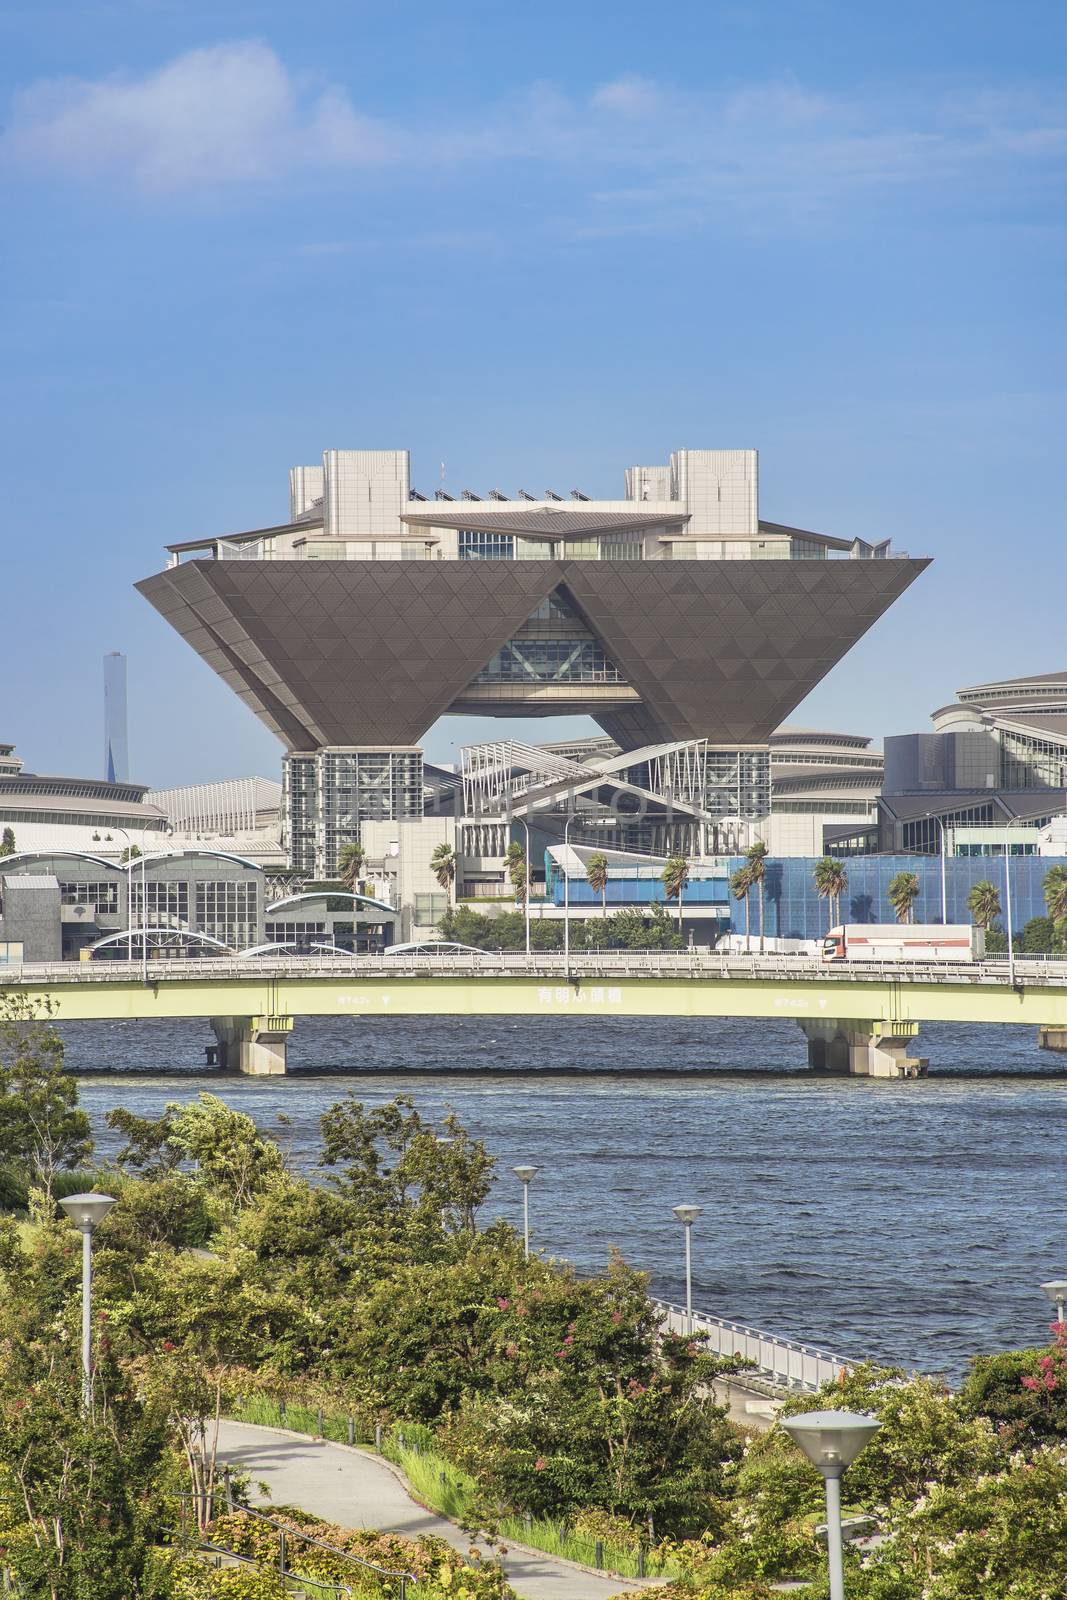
[(1057, 1293), (524, 1175), (86, 1211), (687, 1215), (526, 900), (832, 1440), (567, 897), (144, 896)]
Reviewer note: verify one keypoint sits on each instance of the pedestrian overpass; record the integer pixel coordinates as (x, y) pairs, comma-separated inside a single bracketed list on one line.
[(858, 1017)]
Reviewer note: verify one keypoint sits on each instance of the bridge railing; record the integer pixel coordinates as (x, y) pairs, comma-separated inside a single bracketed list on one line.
[(550, 964), (783, 1363)]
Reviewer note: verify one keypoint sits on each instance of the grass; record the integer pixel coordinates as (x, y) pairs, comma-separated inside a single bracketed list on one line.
[(447, 1489)]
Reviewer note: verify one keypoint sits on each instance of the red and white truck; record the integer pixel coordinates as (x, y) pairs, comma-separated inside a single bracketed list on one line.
[(904, 941)]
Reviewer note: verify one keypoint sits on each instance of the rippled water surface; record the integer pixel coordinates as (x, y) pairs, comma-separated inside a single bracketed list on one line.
[(912, 1221)]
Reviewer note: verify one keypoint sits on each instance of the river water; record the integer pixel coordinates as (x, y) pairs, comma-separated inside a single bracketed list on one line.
[(909, 1221)]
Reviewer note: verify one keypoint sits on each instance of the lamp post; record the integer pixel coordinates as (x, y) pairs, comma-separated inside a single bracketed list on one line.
[(524, 1175), (832, 1440), (86, 1211), (944, 883), (144, 896), (1057, 1293), (687, 1215), (1007, 898), (567, 898), (526, 900)]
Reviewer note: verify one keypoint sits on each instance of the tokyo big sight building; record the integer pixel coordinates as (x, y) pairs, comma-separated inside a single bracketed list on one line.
[(686, 625)]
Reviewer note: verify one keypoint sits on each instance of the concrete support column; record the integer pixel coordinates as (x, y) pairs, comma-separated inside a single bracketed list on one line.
[(1052, 1038), (254, 1045), (864, 1049)]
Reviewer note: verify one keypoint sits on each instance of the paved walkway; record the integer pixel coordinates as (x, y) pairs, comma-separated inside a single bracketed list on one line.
[(358, 1490)]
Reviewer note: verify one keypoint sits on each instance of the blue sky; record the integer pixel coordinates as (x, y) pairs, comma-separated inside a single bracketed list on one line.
[(537, 243)]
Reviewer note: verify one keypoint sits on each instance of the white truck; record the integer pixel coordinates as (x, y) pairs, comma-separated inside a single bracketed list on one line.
[(904, 941)]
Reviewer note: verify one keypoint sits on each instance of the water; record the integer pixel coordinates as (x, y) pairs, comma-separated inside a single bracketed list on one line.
[(909, 1221)]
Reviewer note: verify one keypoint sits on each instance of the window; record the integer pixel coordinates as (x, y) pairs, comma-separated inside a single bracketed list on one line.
[(290, 932), (168, 903), (478, 545), (620, 547), (429, 907), (105, 896), (227, 910), (550, 661)]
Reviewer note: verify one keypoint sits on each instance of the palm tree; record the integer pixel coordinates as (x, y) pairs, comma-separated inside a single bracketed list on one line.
[(443, 866), (516, 870), (902, 894), (350, 859), (756, 858), (831, 882), (983, 903), (596, 876), (1055, 889), (675, 876), (740, 884)]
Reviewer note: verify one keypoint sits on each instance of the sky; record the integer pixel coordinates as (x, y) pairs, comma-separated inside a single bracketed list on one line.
[(538, 244)]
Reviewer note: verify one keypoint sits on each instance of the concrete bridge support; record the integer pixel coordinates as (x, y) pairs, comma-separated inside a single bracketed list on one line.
[(254, 1045), (1052, 1038), (865, 1049)]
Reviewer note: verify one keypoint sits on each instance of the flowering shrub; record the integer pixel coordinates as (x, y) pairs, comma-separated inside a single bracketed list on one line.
[(442, 1573)]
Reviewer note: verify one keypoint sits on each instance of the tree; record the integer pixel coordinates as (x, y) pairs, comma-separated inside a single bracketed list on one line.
[(675, 876), (756, 860), (517, 870), (983, 903), (228, 1148), (1038, 936), (1055, 890), (394, 1161), (350, 859), (831, 882), (7, 842), (42, 1129), (902, 894), (443, 866), (132, 852), (740, 886), (596, 876), (149, 1148)]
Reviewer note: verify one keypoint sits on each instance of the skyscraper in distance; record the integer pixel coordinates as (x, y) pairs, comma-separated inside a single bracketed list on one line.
[(116, 753)]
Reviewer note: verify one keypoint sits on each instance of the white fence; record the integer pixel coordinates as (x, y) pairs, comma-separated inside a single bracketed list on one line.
[(781, 1362)]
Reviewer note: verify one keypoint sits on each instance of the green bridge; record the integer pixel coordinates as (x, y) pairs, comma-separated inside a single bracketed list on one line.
[(857, 1017)]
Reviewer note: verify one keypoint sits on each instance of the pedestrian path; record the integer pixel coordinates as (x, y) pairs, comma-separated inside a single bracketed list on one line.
[(356, 1489)]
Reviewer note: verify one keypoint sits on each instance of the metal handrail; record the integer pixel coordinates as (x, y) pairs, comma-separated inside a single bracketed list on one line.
[(1038, 971), (773, 1355), (289, 1532)]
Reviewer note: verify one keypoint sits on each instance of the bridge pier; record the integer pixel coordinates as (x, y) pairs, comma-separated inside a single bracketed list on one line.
[(1052, 1038), (253, 1045), (864, 1049)]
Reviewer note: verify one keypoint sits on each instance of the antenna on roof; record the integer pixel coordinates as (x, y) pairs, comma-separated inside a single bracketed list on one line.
[(469, 494), (550, 494), (413, 494), (524, 496), (576, 494), (441, 494), (494, 494)]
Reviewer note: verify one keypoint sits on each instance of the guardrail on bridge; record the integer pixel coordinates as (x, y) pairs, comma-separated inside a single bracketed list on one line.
[(783, 1363)]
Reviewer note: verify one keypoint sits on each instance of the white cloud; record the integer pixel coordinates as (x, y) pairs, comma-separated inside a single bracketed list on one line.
[(228, 114), (628, 155), (629, 96)]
